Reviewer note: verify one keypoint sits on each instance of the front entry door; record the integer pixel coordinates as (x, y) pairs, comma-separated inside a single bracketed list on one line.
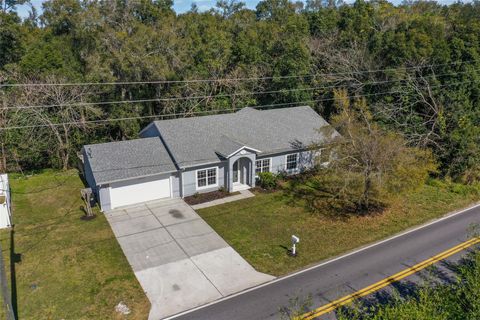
[(235, 172)]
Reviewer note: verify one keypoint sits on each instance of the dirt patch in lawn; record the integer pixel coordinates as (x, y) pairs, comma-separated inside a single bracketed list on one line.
[(208, 196), (259, 190)]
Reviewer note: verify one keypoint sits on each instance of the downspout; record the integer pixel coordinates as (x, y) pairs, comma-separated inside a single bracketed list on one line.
[(181, 182)]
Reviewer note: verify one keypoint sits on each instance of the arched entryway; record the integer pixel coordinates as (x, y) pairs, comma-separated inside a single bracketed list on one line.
[(241, 174)]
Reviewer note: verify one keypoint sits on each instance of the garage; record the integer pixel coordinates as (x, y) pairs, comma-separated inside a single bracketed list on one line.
[(126, 173), (139, 190)]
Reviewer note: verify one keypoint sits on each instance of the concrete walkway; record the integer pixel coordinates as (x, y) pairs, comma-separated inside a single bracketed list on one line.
[(244, 194), (179, 260)]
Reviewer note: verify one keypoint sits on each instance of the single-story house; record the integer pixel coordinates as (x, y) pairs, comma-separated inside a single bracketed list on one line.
[(180, 157)]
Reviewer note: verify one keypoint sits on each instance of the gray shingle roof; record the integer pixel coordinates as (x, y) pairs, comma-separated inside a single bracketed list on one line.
[(206, 139), (227, 146), (115, 161)]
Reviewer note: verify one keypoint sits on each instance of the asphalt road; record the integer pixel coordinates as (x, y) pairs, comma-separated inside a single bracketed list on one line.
[(345, 275)]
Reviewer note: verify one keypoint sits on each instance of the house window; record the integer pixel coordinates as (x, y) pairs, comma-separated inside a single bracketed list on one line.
[(206, 177), (262, 165), (292, 161)]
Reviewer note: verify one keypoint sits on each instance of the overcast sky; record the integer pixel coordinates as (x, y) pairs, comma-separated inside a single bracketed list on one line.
[(181, 6)]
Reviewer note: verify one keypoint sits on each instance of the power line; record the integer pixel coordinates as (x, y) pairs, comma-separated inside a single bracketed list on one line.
[(164, 99), (101, 121), (80, 104), (179, 163), (115, 119), (210, 111), (228, 79), (234, 109)]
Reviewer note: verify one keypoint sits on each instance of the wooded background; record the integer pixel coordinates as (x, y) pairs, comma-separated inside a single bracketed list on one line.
[(417, 65)]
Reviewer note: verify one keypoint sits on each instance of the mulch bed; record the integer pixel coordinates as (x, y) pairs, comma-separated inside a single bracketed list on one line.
[(261, 190), (209, 196)]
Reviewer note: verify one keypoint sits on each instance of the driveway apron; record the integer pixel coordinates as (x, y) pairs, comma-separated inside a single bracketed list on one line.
[(179, 260)]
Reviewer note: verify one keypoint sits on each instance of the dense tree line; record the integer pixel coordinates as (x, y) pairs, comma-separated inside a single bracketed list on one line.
[(423, 60)]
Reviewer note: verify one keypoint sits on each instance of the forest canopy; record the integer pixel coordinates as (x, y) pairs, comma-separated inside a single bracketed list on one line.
[(417, 65)]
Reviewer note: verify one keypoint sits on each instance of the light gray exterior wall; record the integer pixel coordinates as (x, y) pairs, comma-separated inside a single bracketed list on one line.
[(184, 184), (176, 187), (104, 198), (248, 171), (225, 169), (306, 160), (189, 177)]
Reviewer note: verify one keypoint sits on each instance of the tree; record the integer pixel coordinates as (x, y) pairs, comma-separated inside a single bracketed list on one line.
[(366, 164), (59, 128), (417, 64), (61, 15), (317, 5), (277, 10), (11, 36), (229, 7), (11, 5)]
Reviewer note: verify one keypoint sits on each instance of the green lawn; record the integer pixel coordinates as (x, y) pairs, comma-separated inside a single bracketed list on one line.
[(259, 228), (67, 268)]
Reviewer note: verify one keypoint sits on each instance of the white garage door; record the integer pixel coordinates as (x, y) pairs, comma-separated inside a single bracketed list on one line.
[(138, 191)]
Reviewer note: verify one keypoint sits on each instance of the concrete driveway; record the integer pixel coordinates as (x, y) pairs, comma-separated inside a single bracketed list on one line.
[(179, 260)]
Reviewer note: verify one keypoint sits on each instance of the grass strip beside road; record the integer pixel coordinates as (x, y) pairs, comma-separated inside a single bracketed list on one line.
[(387, 281), (259, 228)]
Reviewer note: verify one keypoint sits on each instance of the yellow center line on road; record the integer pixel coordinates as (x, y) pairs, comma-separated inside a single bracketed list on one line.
[(387, 281)]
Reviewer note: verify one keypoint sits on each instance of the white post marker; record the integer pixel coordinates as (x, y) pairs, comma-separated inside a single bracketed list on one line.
[(295, 240)]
